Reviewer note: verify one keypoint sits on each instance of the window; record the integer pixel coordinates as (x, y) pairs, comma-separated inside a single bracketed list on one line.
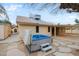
[(48, 29), (37, 29)]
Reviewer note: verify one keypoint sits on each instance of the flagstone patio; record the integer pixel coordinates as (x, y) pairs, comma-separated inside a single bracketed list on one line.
[(14, 46)]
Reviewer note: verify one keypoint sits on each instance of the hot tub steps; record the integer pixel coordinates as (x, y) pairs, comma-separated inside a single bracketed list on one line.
[(46, 47)]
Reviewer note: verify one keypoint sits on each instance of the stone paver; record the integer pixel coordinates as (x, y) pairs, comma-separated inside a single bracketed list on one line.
[(75, 52), (62, 54), (73, 46), (3, 49), (61, 42), (56, 44), (64, 49), (15, 52), (13, 46), (13, 38)]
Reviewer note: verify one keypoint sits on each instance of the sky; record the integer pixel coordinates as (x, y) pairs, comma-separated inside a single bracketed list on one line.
[(56, 16)]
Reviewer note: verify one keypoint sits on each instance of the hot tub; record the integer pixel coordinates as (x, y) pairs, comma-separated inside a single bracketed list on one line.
[(38, 40)]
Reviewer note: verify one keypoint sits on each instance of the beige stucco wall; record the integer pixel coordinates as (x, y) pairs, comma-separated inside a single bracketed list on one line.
[(5, 31), (1, 32), (42, 29), (21, 28), (67, 31), (75, 31)]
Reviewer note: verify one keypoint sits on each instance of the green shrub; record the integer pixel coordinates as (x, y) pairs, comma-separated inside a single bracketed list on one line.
[(76, 21), (5, 22)]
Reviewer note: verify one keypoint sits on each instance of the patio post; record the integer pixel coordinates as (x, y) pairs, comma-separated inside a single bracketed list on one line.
[(55, 31), (64, 30), (71, 30)]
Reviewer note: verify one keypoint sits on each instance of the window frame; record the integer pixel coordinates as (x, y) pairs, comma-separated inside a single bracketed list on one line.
[(48, 28), (37, 29)]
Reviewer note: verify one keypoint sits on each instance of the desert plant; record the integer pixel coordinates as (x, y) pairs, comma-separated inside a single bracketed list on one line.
[(76, 21), (3, 11), (5, 22)]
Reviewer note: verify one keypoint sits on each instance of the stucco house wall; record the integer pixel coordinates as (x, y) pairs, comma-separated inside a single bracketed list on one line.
[(71, 30), (1, 32), (42, 29), (5, 31)]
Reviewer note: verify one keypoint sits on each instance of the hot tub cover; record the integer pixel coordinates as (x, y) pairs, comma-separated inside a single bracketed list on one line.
[(39, 37)]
